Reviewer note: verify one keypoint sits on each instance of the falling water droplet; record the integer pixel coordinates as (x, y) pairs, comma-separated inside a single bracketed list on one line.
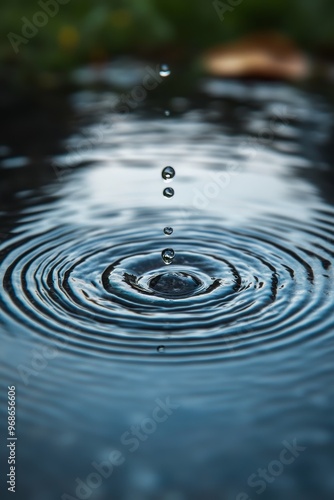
[(164, 70), (161, 348), (168, 192), (168, 255), (167, 112), (168, 230), (168, 173)]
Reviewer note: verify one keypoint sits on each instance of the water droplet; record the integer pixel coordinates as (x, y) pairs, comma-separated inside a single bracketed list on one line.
[(168, 230), (167, 113), (168, 173), (161, 348), (164, 70), (169, 192), (168, 255)]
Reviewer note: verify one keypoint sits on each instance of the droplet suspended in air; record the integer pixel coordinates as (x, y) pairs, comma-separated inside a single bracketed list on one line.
[(168, 255), (168, 173), (168, 192), (161, 348), (168, 230), (167, 112), (164, 70)]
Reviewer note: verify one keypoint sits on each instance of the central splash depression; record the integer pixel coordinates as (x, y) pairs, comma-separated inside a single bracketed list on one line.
[(189, 276)]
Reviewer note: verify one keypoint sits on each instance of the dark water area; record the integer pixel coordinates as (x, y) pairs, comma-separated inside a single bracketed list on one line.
[(217, 383)]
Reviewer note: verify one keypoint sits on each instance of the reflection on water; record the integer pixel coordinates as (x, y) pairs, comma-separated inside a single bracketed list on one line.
[(237, 330)]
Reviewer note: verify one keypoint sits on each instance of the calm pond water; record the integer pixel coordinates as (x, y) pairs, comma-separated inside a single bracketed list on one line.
[(213, 381)]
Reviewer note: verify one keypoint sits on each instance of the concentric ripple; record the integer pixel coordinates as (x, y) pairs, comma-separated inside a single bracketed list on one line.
[(227, 292)]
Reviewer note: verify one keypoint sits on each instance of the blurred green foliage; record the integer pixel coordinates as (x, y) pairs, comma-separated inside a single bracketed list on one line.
[(93, 30)]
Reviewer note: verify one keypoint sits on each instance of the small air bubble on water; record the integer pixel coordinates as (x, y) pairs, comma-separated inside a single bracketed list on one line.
[(168, 173), (164, 70), (168, 255), (168, 230), (168, 192)]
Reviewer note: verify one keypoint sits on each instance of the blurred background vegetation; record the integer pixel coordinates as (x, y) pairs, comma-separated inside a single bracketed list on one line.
[(95, 31)]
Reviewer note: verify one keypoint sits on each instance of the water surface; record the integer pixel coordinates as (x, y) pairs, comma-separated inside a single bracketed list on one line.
[(239, 335)]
